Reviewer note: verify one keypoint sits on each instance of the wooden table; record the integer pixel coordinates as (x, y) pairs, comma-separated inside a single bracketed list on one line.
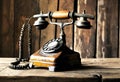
[(92, 70)]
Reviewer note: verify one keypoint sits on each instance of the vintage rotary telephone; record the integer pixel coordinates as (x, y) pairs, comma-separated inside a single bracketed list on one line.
[(54, 54)]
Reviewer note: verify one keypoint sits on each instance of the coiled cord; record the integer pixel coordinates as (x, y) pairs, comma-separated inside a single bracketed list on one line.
[(22, 63)]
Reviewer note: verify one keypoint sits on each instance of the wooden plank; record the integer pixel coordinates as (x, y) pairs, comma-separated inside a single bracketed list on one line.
[(107, 30), (48, 33), (7, 28), (35, 75), (67, 5), (25, 9), (119, 26), (92, 70), (35, 32), (106, 62), (46, 79), (110, 77), (85, 38), (1, 24)]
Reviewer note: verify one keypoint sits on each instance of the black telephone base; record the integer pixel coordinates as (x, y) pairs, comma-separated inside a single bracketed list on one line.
[(62, 60)]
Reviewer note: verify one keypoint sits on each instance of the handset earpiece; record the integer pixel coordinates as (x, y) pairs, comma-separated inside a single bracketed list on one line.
[(41, 23), (82, 22)]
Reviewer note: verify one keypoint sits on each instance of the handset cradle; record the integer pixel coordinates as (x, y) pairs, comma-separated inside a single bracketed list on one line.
[(55, 55)]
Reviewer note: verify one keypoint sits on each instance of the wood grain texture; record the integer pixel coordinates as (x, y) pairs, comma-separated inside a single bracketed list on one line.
[(119, 27), (1, 25), (85, 38), (102, 40), (7, 28), (48, 33), (92, 70), (24, 9), (107, 30), (69, 6)]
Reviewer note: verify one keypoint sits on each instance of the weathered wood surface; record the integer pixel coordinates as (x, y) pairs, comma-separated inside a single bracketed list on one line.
[(102, 40), (6, 28), (48, 33), (85, 38), (107, 28), (67, 5), (119, 28), (92, 70), (22, 10)]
